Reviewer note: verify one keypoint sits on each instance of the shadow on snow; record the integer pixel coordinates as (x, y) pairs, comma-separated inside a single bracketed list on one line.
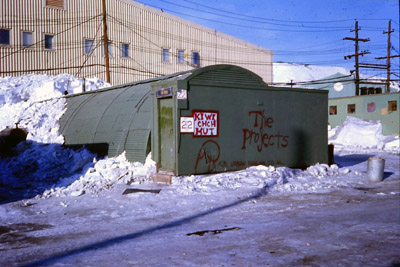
[(354, 159), (34, 167)]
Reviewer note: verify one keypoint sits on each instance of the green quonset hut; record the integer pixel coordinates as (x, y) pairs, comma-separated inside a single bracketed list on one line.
[(211, 119)]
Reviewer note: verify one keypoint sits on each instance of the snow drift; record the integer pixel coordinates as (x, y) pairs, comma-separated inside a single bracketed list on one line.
[(356, 132)]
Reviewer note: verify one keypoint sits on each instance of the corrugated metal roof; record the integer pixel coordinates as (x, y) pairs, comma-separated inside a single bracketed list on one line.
[(114, 117)]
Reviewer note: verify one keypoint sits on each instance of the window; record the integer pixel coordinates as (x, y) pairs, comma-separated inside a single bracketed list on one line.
[(124, 50), (109, 47), (196, 59), (392, 105), (181, 56), (4, 37), (89, 47), (332, 110), (26, 39), (351, 108), (371, 107), (48, 41), (165, 55), (55, 3)]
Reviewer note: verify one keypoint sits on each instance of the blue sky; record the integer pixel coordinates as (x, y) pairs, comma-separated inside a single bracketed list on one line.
[(300, 31)]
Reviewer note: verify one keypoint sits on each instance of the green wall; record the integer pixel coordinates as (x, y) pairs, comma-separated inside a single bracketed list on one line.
[(389, 119)]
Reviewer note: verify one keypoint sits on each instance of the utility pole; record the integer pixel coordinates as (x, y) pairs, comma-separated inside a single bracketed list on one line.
[(105, 42), (388, 57), (356, 54)]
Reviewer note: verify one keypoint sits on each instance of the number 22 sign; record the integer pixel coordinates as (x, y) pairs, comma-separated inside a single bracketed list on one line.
[(187, 125)]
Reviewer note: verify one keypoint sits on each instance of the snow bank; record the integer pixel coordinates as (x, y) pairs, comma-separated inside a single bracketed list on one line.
[(274, 180), (103, 175), (34, 88), (41, 166), (23, 101), (355, 132)]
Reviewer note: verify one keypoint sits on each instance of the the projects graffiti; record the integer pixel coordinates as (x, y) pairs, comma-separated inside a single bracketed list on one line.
[(262, 134)]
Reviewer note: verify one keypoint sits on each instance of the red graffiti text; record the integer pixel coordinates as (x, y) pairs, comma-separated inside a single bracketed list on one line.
[(259, 137)]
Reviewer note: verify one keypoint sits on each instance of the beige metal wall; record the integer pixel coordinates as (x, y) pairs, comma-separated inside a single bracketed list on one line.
[(146, 30)]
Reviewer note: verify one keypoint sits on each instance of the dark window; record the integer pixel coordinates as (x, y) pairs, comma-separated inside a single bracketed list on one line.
[(4, 37), (181, 56), (109, 47), (89, 46), (371, 107), (26, 39), (196, 58), (351, 108), (165, 55), (55, 3), (48, 41), (124, 50), (371, 90), (364, 90), (392, 105), (332, 110)]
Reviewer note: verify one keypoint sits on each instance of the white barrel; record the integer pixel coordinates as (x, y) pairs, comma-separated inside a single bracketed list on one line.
[(375, 170)]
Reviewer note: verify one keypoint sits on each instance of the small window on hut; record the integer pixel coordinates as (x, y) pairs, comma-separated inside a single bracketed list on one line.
[(332, 110), (351, 108), (392, 105), (371, 107), (55, 3)]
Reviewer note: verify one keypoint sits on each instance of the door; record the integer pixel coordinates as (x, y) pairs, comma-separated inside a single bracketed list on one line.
[(166, 134)]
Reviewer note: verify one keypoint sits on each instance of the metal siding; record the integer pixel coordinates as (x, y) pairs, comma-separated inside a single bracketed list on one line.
[(110, 116), (136, 144), (305, 129), (146, 29)]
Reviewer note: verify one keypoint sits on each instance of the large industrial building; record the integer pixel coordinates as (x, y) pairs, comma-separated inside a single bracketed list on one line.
[(67, 36)]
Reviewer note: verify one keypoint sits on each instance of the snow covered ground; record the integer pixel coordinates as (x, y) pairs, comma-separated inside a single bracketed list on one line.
[(61, 207)]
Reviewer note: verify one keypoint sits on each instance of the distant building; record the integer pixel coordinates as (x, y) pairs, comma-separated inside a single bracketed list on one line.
[(65, 36), (372, 104), (342, 85)]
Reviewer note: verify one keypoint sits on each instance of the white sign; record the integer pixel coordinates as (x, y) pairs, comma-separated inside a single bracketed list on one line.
[(182, 94), (187, 125), (205, 123)]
